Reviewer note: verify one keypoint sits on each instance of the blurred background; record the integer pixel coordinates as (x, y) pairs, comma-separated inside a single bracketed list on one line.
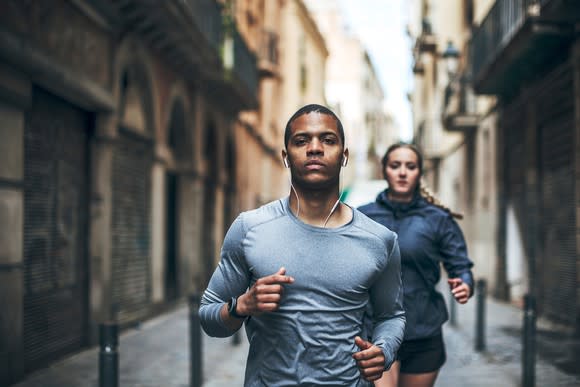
[(132, 132)]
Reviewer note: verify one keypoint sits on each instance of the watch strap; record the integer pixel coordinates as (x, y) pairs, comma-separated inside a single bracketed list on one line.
[(232, 305)]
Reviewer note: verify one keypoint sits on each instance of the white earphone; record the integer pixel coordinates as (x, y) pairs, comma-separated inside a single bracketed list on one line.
[(285, 161)]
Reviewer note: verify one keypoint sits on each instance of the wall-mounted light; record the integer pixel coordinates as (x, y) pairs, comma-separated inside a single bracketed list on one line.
[(451, 57)]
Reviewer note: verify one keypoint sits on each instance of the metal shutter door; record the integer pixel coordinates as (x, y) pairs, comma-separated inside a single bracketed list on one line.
[(558, 268), (131, 228), (55, 219)]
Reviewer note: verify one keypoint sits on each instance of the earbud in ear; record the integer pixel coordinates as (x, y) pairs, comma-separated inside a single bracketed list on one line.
[(285, 161), (344, 161)]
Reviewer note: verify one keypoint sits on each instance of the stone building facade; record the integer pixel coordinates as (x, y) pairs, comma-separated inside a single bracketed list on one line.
[(501, 135), (117, 163)]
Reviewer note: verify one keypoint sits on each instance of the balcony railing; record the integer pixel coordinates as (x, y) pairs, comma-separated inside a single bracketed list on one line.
[(207, 15), (460, 110), (504, 19), (244, 66), (268, 53), (518, 38)]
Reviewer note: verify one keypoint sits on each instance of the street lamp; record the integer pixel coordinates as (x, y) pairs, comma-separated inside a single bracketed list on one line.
[(451, 57)]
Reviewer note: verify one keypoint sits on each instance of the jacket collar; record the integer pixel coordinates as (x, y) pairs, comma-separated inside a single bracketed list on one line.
[(416, 202)]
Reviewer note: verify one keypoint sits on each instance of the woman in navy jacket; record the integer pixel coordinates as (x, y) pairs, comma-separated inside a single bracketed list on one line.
[(428, 237)]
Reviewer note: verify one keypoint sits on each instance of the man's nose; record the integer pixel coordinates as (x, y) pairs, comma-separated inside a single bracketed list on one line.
[(314, 147)]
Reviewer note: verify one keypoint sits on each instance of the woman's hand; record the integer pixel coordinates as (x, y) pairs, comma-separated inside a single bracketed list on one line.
[(459, 289)]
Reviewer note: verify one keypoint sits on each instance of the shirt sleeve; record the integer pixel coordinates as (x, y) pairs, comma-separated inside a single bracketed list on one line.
[(386, 296), (230, 279), (453, 251)]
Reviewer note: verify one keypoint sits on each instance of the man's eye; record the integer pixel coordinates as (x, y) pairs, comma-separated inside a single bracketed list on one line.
[(299, 141), (329, 141)]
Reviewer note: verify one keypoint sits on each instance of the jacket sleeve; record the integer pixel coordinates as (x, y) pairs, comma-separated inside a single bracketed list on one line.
[(230, 279), (386, 296), (453, 251)]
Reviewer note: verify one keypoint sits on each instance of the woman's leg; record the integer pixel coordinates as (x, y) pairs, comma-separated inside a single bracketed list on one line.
[(390, 378), (418, 380)]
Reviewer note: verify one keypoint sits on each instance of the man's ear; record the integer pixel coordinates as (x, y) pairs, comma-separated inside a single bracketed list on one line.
[(285, 159), (344, 161)]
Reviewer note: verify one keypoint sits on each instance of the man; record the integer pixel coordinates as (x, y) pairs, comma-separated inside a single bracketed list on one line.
[(300, 272)]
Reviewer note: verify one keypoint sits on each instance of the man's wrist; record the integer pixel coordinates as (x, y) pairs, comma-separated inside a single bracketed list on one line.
[(233, 308)]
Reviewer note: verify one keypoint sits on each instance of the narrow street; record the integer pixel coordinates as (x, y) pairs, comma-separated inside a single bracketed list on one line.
[(157, 355)]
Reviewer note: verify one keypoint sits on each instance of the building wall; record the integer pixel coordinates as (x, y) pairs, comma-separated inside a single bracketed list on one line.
[(128, 91), (352, 90), (460, 166)]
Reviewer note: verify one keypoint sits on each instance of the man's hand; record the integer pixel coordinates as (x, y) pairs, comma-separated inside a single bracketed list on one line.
[(264, 295), (370, 359), (459, 289)]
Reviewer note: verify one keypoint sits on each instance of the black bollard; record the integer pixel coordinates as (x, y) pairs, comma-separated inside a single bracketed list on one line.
[(108, 355), (529, 343), (481, 290), (452, 311), (236, 339), (195, 342)]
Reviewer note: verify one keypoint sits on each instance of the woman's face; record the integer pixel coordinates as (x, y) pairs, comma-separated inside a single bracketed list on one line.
[(403, 173)]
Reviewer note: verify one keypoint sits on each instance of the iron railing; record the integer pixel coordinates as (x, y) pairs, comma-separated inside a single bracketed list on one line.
[(269, 47), (497, 29), (207, 15), (245, 66)]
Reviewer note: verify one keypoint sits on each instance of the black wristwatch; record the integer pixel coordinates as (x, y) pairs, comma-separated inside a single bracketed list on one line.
[(232, 304)]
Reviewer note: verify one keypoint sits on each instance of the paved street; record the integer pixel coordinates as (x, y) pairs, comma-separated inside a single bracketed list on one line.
[(156, 355)]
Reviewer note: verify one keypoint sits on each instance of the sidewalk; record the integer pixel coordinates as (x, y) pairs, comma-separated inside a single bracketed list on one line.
[(157, 355), (500, 365)]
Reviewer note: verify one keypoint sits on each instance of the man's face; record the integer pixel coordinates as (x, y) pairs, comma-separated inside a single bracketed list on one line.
[(315, 151)]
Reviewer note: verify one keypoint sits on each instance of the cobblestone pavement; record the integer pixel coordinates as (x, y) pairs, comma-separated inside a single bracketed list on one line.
[(157, 355)]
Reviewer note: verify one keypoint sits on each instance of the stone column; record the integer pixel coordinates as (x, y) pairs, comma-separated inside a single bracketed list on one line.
[(102, 150)]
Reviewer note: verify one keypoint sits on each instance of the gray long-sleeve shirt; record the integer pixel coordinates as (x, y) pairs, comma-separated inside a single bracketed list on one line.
[(309, 340)]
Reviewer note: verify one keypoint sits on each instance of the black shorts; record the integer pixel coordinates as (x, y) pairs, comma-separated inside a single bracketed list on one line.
[(422, 355)]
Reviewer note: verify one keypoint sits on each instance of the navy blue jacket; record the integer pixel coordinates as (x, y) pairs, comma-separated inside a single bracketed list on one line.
[(428, 236)]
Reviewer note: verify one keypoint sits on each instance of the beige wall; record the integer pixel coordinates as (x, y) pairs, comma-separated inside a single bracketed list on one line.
[(464, 167)]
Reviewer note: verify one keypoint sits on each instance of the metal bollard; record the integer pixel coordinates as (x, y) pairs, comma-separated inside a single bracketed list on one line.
[(236, 339), (529, 342), (452, 311), (195, 342), (108, 355), (481, 290)]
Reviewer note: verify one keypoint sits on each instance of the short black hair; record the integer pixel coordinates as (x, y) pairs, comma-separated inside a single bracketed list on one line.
[(313, 107)]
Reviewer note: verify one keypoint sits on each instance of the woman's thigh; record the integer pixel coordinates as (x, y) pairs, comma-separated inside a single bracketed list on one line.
[(418, 380)]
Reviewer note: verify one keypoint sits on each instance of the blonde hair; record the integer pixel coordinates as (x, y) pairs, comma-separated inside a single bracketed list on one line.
[(431, 198)]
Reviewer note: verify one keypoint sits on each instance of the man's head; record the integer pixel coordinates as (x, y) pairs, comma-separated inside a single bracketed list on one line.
[(315, 150), (309, 109)]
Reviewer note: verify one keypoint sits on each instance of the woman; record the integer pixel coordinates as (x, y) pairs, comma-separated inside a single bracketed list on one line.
[(428, 236)]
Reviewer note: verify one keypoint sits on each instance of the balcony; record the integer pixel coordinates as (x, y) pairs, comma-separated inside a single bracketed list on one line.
[(199, 40), (517, 39), (268, 54), (460, 111), (426, 41)]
